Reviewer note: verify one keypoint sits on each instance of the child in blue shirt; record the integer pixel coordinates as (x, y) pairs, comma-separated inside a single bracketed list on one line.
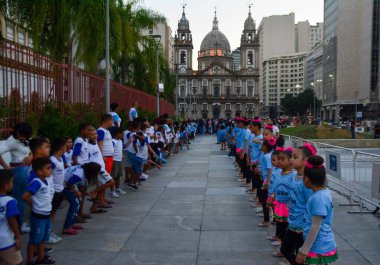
[(39, 197), (299, 195), (10, 236), (222, 137), (320, 246)]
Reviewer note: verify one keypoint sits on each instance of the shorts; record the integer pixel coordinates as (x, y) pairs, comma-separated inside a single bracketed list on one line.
[(57, 200), (10, 256), (137, 162), (126, 160), (104, 177), (108, 162), (117, 170), (40, 229)]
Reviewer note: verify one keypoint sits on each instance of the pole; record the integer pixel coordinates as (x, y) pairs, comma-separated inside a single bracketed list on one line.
[(314, 104), (158, 91), (107, 57), (177, 90)]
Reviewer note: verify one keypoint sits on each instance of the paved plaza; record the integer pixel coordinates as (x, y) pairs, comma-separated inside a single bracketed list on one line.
[(194, 212)]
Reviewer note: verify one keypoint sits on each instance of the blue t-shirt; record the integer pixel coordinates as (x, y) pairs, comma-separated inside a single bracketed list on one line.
[(275, 172), (320, 204), (299, 195), (222, 134), (240, 133), (254, 148), (282, 186), (266, 164)]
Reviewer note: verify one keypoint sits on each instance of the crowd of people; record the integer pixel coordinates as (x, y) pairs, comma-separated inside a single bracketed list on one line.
[(94, 168), (286, 184)]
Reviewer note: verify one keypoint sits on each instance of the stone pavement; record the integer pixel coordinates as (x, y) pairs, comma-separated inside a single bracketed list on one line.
[(194, 212)]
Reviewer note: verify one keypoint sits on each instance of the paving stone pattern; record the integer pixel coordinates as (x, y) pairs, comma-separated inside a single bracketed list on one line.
[(194, 212)]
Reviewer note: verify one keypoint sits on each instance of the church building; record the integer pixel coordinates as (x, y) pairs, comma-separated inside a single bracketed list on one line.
[(217, 89)]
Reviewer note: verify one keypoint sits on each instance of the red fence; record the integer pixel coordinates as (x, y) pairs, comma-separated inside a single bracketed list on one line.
[(29, 80)]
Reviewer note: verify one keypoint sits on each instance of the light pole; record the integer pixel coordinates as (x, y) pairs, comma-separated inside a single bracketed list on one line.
[(107, 56), (313, 85), (177, 89), (157, 38)]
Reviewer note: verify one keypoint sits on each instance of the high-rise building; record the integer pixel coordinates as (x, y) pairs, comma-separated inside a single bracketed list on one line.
[(282, 75), (314, 70), (307, 36), (236, 59), (167, 40), (351, 59)]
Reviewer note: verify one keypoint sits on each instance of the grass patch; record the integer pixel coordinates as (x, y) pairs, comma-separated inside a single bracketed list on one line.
[(320, 132)]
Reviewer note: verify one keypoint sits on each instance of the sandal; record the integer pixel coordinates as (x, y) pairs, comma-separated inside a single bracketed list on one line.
[(104, 206), (77, 227), (86, 216), (70, 231), (98, 211)]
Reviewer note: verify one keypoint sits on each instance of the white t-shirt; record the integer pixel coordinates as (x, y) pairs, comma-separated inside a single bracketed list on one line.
[(142, 149), (58, 173), (118, 147), (41, 196), (81, 150), (75, 175), (132, 114), (116, 119), (69, 157), (130, 148), (96, 155), (8, 209), (104, 135), (17, 149)]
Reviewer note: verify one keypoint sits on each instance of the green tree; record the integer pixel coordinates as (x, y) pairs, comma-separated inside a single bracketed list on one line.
[(300, 104)]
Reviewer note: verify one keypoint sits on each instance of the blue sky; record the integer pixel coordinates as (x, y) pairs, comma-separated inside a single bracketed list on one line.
[(232, 14)]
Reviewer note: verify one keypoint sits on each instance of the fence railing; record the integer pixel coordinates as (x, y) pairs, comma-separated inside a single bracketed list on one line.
[(28, 80), (350, 173)]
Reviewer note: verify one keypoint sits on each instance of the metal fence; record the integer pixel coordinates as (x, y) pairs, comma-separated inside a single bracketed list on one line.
[(351, 176), (28, 80)]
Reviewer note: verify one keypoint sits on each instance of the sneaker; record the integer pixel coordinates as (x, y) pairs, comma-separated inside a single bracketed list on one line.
[(113, 194), (57, 237), (272, 238), (284, 263), (52, 240), (48, 250), (277, 254), (25, 228), (45, 261), (142, 178), (263, 224), (133, 187), (259, 210), (276, 243), (146, 176), (120, 191)]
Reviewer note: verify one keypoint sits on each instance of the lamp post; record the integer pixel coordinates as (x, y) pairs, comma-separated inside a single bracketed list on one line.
[(157, 38), (313, 85), (177, 89), (107, 56)]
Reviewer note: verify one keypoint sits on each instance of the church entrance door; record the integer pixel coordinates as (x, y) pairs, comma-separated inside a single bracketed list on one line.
[(216, 111)]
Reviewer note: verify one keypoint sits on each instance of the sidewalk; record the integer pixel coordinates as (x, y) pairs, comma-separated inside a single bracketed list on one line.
[(194, 212)]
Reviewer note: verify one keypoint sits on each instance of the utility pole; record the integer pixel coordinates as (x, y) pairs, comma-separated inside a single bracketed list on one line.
[(158, 84), (107, 56)]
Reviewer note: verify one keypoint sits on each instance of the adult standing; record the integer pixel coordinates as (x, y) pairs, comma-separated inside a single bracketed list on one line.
[(133, 111), (18, 146), (353, 125)]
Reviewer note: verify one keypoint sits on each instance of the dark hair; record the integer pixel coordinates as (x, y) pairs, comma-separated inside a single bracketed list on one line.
[(316, 172), (40, 163), (5, 176), (276, 153), (106, 117), (117, 131), (280, 141), (91, 171), (83, 126), (68, 138), (142, 126), (114, 106), (36, 143), (222, 127), (269, 129), (258, 124), (23, 129), (287, 152), (57, 144), (135, 124), (268, 145)]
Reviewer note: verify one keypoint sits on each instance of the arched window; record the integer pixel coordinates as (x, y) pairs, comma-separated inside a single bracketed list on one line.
[(250, 58), (216, 90), (183, 57)]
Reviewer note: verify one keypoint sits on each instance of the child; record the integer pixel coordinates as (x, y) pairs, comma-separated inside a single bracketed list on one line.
[(281, 190), (39, 197), (117, 169), (58, 148), (299, 196), (266, 173), (320, 245), (223, 137), (69, 152), (10, 236), (105, 141), (254, 153), (81, 154)]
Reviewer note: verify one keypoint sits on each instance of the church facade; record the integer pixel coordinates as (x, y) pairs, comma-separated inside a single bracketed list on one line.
[(215, 89)]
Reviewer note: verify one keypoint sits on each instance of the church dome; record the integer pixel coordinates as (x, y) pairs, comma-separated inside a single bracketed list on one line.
[(215, 40)]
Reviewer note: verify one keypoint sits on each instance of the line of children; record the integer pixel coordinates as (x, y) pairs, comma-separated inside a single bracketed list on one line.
[(61, 170), (291, 183)]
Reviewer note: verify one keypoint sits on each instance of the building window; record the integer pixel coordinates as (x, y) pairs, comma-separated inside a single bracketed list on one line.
[(250, 59), (183, 91), (228, 106), (194, 107), (238, 107), (183, 57), (21, 36), (204, 106), (250, 91), (10, 31), (205, 92), (216, 90), (228, 91), (194, 83)]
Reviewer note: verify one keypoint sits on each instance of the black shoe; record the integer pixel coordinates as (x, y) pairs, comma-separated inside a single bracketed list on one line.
[(48, 250), (132, 187), (45, 261)]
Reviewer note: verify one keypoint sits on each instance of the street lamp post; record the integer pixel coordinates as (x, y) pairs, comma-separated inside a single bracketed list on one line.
[(107, 56), (157, 38), (313, 85)]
